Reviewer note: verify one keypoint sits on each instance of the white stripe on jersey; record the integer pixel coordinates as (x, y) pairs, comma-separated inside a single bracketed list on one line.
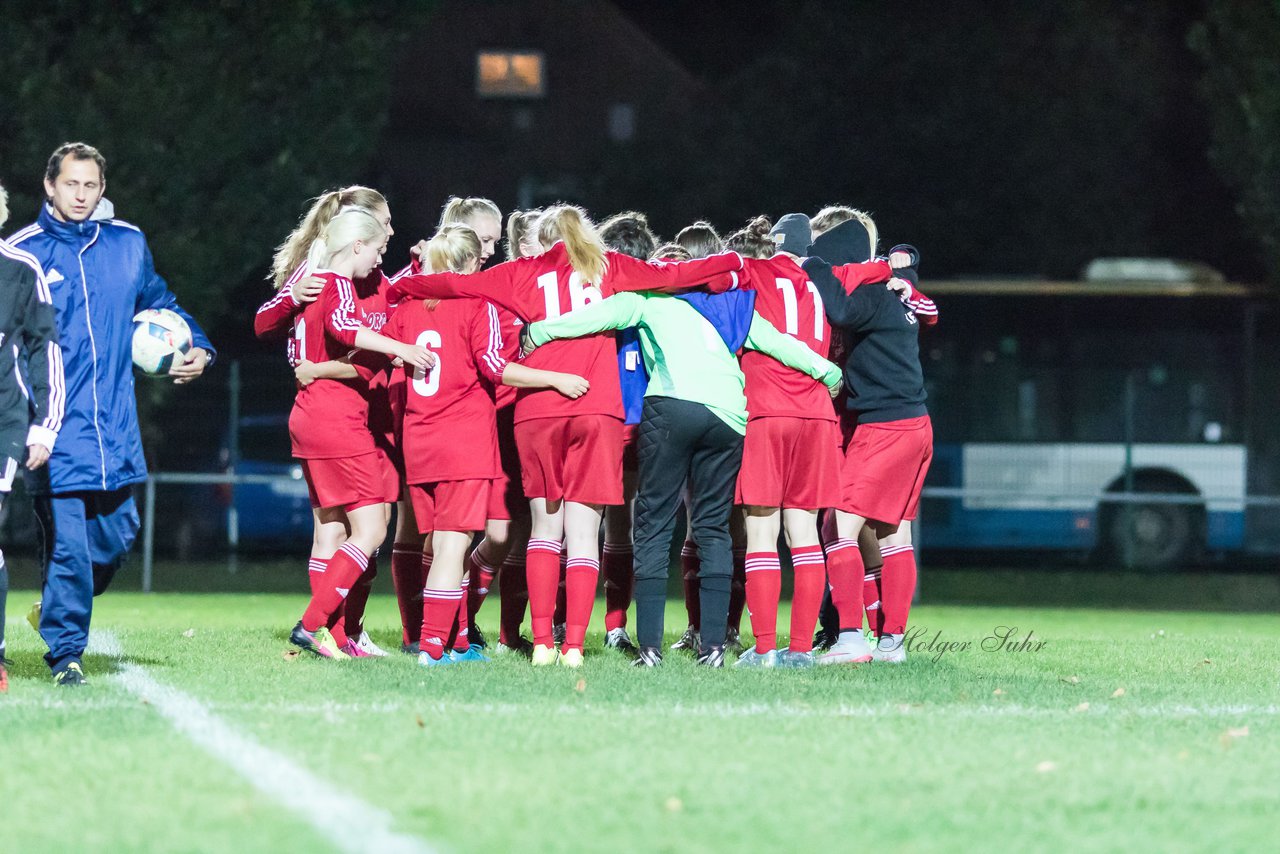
[(493, 356)]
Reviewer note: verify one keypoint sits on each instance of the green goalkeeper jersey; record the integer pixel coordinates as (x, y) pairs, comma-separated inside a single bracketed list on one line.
[(685, 357)]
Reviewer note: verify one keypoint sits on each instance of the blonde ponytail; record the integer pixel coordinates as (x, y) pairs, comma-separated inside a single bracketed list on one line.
[(298, 245), (343, 229), (458, 210), (581, 240), (452, 248)]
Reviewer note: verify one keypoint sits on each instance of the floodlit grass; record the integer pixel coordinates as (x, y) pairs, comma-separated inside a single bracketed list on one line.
[(1124, 730)]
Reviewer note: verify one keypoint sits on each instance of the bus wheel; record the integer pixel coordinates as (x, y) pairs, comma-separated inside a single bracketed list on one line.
[(1152, 537)]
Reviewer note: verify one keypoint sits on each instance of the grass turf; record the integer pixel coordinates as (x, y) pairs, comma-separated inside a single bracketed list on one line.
[(1150, 730)]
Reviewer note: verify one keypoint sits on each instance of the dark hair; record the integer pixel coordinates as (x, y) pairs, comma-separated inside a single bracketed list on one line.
[(754, 240), (700, 239), (670, 252), (76, 151), (628, 233)]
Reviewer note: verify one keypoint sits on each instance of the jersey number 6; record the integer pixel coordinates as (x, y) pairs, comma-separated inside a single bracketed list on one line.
[(423, 384)]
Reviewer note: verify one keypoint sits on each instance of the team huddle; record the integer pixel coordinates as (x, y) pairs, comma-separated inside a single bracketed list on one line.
[(598, 380)]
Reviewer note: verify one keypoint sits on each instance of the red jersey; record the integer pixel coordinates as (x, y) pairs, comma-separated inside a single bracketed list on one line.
[(786, 298), (449, 431), (330, 418), (274, 318), (546, 287), (505, 395), (868, 272)]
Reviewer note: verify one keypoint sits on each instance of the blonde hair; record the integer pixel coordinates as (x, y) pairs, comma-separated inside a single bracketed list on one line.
[(349, 225), (323, 209), (586, 250), (4, 205), (833, 215), (700, 239), (452, 247), (458, 210), (519, 224)]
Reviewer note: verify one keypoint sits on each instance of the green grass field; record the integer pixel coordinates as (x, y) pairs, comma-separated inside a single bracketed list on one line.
[(1135, 730)]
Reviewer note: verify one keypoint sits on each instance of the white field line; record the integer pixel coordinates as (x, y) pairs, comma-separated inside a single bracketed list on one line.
[(337, 711), (339, 817)]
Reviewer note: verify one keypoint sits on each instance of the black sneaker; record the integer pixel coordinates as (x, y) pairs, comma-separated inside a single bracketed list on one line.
[(476, 638), (648, 656), (521, 645), (712, 656), (823, 640), (70, 676), (557, 633), (410, 648)]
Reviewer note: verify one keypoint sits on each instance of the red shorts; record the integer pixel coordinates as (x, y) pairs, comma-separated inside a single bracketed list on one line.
[(630, 437), (578, 458), (790, 462), (884, 469), (352, 482), (450, 505)]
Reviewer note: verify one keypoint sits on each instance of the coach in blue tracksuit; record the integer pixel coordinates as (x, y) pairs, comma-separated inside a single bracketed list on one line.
[(100, 274)]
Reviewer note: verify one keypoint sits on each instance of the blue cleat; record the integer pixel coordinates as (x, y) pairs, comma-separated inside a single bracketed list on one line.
[(425, 660), (472, 654)]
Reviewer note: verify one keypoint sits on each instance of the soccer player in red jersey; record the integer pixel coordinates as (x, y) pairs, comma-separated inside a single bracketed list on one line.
[(790, 459), (351, 480), (570, 450), (295, 289), (889, 453), (450, 432)]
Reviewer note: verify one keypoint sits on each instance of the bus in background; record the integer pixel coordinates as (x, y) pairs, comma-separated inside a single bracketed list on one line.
[(1129, 420)]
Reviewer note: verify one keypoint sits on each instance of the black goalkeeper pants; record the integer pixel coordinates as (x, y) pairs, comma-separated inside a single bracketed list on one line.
[(683, 442)]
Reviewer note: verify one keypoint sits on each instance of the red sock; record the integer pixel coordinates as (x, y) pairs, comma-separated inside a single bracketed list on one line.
[(690, 563), (337, 627), (481, 578), (582, 574), (542, 569), (439, 607), (315, 573), (764, 583), (460, 638), (738, 589), (619, 580), (513, 588), (844, 569), (898, 585), (358, 598), (408, 576), (344, 568), (562, 595), (806, 600), (871, 596)]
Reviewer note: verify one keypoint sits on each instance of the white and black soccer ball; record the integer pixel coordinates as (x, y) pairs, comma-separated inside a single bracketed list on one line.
[(159, 337)]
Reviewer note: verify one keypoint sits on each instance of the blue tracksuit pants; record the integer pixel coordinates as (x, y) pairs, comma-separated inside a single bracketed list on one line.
[(85, 537)]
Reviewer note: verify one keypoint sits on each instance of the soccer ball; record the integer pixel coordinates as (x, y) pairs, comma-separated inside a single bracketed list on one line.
[(159, 336)]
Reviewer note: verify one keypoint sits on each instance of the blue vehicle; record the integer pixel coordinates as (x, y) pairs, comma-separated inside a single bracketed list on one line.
[(265, 515)]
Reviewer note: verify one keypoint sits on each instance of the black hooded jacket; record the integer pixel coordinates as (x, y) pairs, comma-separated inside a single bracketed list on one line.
[(883, 369)]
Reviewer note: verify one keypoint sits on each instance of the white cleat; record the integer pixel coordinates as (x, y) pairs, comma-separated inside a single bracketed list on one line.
[(366, 645), (849, 648), (544, 656), (571, 658), (890, 650)]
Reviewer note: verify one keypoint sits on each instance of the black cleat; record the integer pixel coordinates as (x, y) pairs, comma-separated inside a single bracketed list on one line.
[(823, 640), (712, 656), (619, 639), (689, 641), (70, 676), (732, 642), (648, 656), (557, 633), (410, 648), (476, 638)]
